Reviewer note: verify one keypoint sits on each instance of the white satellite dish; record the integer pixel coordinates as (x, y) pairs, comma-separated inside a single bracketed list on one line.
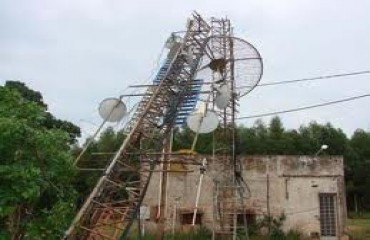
[(202, 123), (223, 96), (112, 109)]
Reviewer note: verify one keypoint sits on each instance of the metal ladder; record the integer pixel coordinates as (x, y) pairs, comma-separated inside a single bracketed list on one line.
[(230, 208)]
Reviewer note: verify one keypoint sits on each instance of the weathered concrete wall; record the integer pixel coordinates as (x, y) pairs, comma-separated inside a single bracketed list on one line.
[(294, 186)]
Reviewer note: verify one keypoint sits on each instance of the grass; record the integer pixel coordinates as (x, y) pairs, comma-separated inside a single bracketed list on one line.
[(204, 234), (359, 226), (199, 234)]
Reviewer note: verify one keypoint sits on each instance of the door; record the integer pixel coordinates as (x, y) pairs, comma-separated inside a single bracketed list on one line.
[(328, 216)]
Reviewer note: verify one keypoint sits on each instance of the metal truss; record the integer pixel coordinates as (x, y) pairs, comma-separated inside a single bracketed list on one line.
[(114, 203)]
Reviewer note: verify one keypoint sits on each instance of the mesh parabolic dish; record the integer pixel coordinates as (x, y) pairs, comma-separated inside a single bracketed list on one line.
[(112, 109), (202, 122), (242, 56)]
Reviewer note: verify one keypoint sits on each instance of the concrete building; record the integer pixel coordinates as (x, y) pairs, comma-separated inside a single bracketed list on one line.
[(308, 191)]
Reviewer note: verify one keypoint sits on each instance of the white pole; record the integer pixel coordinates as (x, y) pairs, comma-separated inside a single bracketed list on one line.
[(199, 188)]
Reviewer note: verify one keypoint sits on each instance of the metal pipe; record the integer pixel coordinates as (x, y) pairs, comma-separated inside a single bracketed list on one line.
[(202, 171)]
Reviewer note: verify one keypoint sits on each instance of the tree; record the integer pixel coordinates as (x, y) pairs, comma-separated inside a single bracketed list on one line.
[(183, 138), (261, 137), (49, 121), (26, 93), (247, 143), (36, 172), (276, 137), (357, 171)]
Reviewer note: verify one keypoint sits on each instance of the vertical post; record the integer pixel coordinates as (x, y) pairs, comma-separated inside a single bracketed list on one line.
[(163, 198), (268, 202), (234, 137), (169, 167), (202, 170)]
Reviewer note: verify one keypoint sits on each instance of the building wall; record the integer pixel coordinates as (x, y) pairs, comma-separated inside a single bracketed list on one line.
[(294, 184)]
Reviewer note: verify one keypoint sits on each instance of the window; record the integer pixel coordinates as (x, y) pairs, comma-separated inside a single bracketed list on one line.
[(328, 214)]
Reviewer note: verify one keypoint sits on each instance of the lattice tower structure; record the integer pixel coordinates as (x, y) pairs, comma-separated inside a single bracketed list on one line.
[(114, 203), (229, 193)]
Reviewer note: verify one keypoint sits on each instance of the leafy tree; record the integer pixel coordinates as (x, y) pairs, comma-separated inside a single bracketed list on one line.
[(276, 137), (247, 140), (314, 135), (261, 137), (357, 171), (26, 93), (183, 138), (36, 173), (49, 121)]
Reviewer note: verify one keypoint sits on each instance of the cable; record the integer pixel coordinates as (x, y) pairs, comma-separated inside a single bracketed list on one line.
[(310, 79), (306, 107)]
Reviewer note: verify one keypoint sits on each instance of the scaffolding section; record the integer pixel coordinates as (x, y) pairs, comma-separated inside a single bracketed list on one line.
[(228, 193)]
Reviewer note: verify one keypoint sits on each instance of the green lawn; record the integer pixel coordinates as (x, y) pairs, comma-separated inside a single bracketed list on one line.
[(359, 228)]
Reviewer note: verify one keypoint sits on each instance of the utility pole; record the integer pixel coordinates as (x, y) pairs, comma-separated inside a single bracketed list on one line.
[(163, 197)]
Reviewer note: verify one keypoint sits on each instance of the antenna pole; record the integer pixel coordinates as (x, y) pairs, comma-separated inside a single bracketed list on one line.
[(163, 202)]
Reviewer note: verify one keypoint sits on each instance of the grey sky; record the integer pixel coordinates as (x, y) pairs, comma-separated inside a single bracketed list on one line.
[(79, 52)]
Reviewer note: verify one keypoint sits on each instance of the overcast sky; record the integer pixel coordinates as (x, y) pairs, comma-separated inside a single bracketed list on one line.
[(77, 53)]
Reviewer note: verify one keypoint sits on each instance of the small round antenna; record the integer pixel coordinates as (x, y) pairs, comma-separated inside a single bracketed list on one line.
[(223, 96), (112, 109), (202, 123)]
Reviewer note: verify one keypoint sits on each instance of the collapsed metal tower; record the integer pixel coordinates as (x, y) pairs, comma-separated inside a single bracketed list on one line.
[(205, 48)]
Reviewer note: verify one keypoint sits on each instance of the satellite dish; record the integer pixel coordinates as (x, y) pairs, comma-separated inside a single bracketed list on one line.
[(112, 109), (245, 61), (223, 96), (202, 123)]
